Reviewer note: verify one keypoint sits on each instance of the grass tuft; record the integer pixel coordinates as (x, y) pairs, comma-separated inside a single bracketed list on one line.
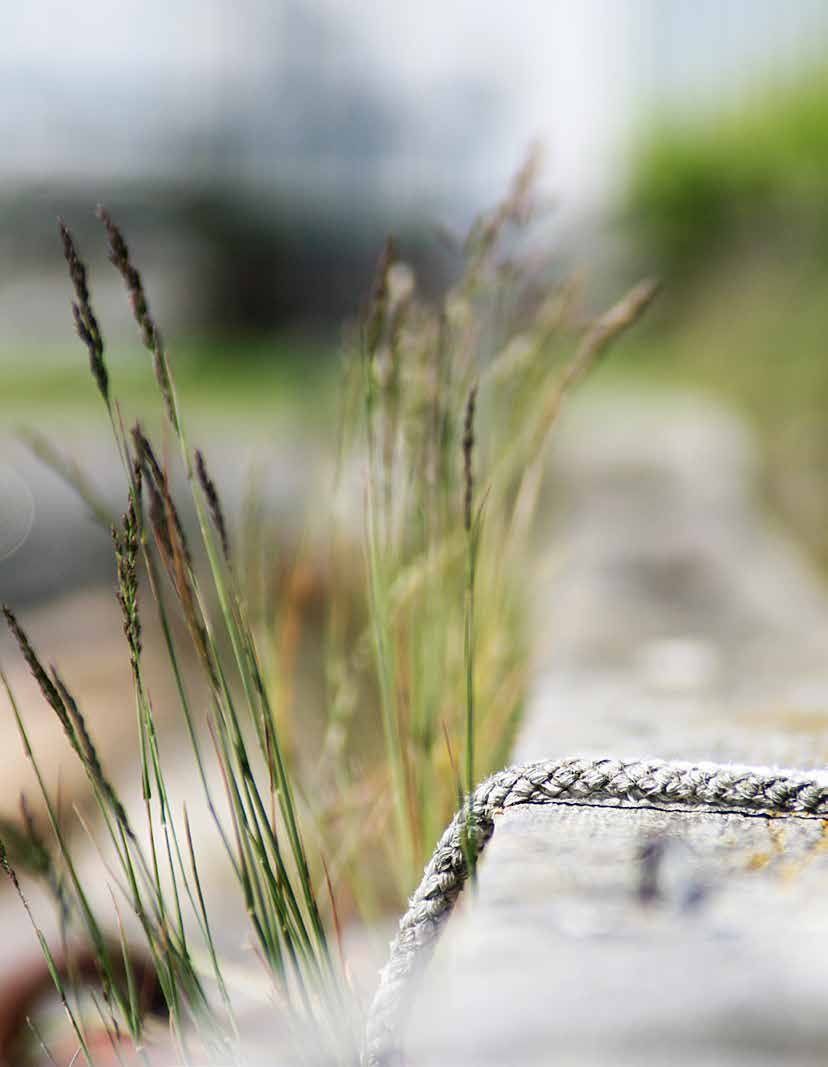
[(446, 413)]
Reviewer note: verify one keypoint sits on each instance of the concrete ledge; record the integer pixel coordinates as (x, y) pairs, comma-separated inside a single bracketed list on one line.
[(680, 625)]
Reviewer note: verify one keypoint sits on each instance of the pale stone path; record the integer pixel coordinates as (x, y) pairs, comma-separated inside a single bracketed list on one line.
[(678, 625)]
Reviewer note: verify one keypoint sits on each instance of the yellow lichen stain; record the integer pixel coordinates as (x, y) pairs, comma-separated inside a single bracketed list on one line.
[(789, 719), (787, 870), (776, 833), (822, 844)]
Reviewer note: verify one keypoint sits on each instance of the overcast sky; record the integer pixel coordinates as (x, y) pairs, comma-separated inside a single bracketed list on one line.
[(88, 84)]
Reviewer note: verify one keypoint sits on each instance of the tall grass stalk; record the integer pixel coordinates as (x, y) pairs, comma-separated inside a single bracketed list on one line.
[(448, 613), (266, 853), (447, 410)]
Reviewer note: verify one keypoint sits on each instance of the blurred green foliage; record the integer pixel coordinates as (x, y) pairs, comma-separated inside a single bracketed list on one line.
[(698, 185), (751, 331), (256, 380), (732, 211)]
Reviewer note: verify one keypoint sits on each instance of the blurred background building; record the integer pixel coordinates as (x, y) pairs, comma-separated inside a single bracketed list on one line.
[(257, 152)]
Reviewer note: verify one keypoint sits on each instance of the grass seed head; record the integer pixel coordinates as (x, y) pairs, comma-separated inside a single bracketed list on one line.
[(86, 323), (88, 754), (126, 539), (145, 455), (379, 298), (164, 517), (468, 455), (172, 546), (37, 857), (65, 707), (150, 334), (213, 502), (47, 687), (611, 324)]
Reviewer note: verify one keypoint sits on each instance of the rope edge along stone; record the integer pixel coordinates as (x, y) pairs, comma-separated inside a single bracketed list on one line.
[(668, 785)]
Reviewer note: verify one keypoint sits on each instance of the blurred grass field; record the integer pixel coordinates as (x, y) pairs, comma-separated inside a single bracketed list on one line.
[(731, 211), (262, 379), (287, 379), (752, 336)]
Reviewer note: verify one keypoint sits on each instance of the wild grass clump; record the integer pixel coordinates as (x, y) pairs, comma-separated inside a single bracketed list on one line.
[(257, 823), (451, 408), (446, 412)]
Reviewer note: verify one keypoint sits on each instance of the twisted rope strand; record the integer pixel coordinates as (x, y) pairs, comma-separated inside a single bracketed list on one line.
[(703, 787)]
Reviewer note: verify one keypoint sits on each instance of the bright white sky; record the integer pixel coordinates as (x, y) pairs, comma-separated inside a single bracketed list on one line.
[(572, 72)]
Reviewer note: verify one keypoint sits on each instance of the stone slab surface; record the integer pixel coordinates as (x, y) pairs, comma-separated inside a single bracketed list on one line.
[(675, 623), (562, 957)]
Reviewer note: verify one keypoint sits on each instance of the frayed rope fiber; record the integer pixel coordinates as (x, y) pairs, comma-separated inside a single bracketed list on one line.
[(674, 786)]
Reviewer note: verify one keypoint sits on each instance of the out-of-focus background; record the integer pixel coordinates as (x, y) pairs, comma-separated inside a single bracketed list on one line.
[(256, 154)]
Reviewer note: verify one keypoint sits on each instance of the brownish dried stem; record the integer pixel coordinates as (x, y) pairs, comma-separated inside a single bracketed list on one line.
[(379, 298), (613, 322)]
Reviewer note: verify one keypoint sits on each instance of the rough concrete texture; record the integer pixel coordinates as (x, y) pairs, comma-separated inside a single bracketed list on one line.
[(678, 625)]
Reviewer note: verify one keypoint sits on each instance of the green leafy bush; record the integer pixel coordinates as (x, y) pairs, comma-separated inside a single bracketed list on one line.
[(700, 184)]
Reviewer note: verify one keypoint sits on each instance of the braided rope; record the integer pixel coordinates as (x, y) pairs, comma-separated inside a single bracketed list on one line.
[(706, 787)]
